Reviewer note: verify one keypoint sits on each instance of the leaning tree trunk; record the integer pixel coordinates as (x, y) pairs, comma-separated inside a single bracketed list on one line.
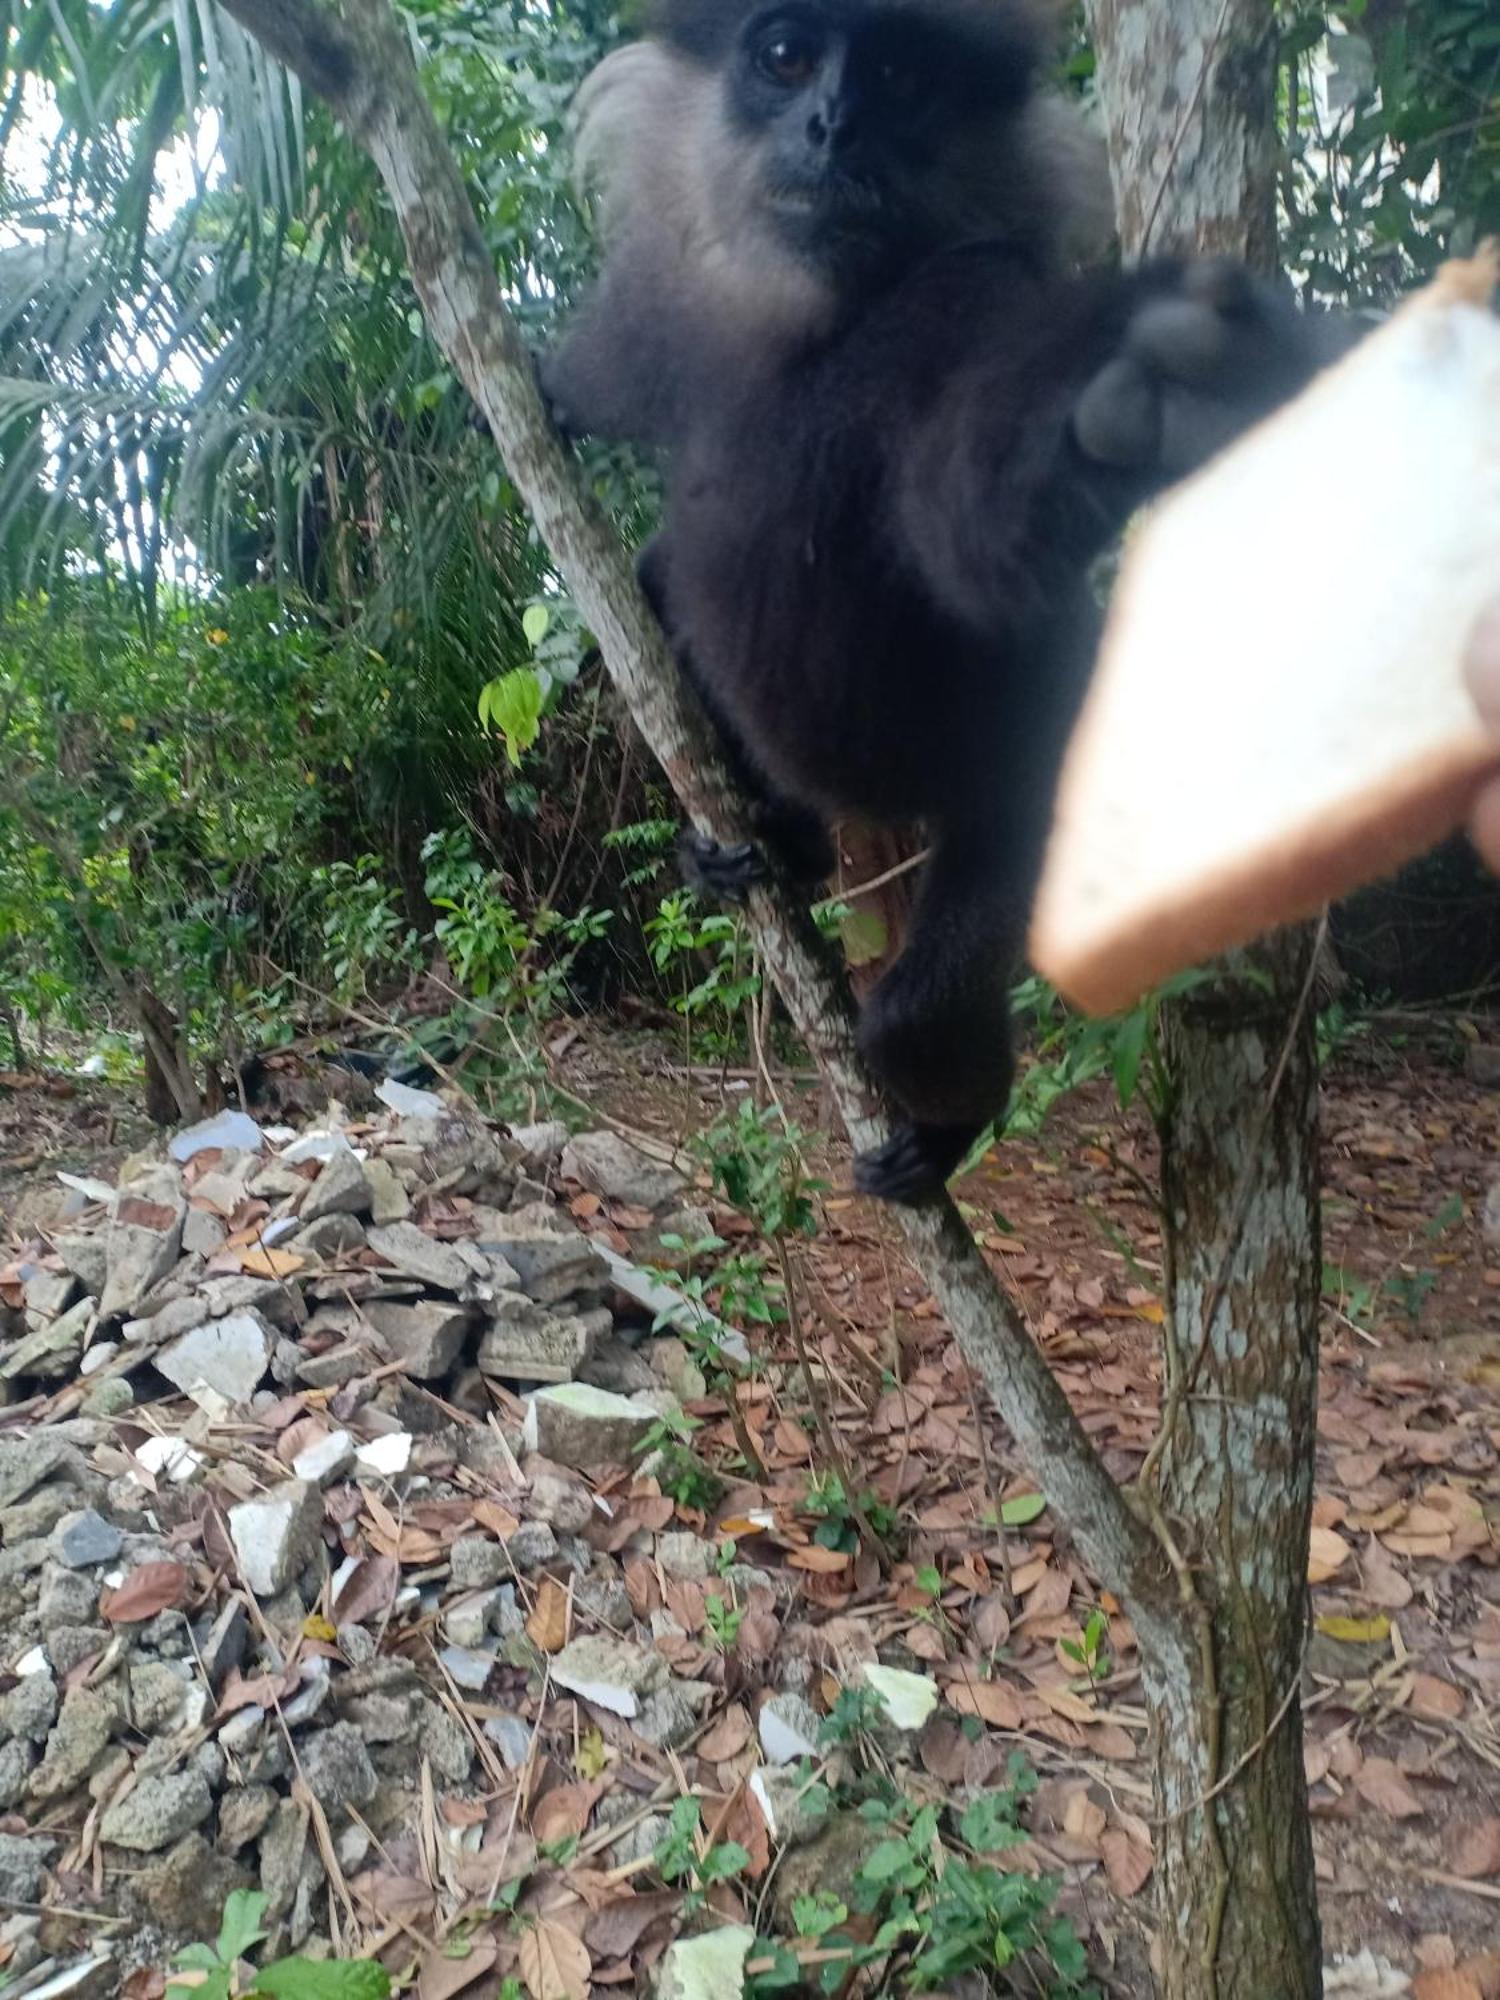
[(1188, 88)]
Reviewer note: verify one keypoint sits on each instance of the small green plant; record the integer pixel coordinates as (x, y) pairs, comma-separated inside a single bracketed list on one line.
[(216, 1968), (680, 1472), (724, 1618), (1090, 1651), (856, 1712), (827, 1501), (678, 1858)]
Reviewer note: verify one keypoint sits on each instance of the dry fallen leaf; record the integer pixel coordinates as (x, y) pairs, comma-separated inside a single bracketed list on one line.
[(547, 1627), (500, 1521), (1326, 1555), (1446, 1986), (263, 1263), (1474, 1848), (443, 1975), (554, 1964), (991, 1701), (725, 1737), (149, 1588), (820, 1561), (1436, 1700), (1127, 1862), (563, 1812), (1385, 1786)]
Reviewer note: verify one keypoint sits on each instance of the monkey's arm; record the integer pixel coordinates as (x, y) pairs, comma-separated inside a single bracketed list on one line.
[(1070, 404)]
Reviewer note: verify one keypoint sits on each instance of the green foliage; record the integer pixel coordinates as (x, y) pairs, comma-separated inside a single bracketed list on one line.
[(680, 1473), (756, 1160), (1090, 1652), (724, 1618), (711, 954), (215, 1967), (683, 1856), (838, 1526)]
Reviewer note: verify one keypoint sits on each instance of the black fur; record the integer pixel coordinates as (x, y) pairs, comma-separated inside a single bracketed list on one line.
[(885, 489)]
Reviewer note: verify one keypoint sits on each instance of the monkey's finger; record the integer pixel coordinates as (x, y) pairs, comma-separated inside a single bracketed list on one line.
[(1186, 341), (1117, 419)]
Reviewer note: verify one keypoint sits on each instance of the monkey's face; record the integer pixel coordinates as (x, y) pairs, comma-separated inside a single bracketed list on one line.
[(874, 131)]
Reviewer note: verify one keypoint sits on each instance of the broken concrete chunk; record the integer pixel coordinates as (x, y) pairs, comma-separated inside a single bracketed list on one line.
[(27, 1462), (143, 1243), (157, 1811), (579, 1426), (275, 1538), (608, 1165), (408, 1102), (331, 1236), (614, 1674), (389, 1201), (202, 1233), (54, 1348), (789, 1727), (340, 1189), (225, 1131), (525, 1343), (325, 1458), (84, 1538), (565, 1503), (540, 1146), (426, 1338), (552, 1261), (77, 1741), (477, 1563), (229, 1356), (87, 1258), (420, 1256), (337, 1767)]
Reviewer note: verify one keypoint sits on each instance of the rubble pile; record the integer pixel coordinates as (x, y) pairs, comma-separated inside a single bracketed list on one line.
[(321, 1499)]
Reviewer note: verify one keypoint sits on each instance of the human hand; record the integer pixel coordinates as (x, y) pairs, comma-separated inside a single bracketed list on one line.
[(1482, 670)]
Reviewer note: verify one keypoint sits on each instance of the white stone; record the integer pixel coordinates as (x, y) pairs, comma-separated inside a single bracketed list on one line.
[(908, 1699), (710, 1967), (276, 1536), (226, 1130), (407, 1102), (788, 1729), (314, 1145), (325, 1459), (169, 1458), (385, 1456), (577, 1425), (228, 1355), (614, 1674)]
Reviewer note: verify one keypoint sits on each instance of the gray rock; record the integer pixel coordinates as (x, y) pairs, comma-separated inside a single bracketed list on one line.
[(54, 1348), (426, 1338), (337, 1767), (444, 1742), (185, 1892), (244, 1812), (159, 1697), (66, 1597), (84, 1726), (157, 1811), (420, 1256), (229, 1355), (389, 1201), (332, 1236), (524, 1343), (21, 1864), (476, 1562), (672, 1364), (540, 1146), (275, 1538), (86, 1257), (202, 1233), (381, 1718), (243, 1730), (340, 1189), (26, 1462), (47, 1295), (288, 1860), (143, 1243), (608, 1165), (279, 1304), (37, 1516), (602, 1598), (109, 1397), (82, 1539), (614, 1674), (469, 1667), (337, 1365), (830, 1862), (552, 1260), (614, 1366), (668, 1717), (682, 1554), (533, 1546), (512, 1736), (16, 1761), (70, 1645), (30, 1709), (579, 1426), (556, 1497), (223, 1646), (466, 1622)]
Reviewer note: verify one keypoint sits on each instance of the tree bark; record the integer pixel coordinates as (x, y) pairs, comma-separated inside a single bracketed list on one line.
[(1188, 94)]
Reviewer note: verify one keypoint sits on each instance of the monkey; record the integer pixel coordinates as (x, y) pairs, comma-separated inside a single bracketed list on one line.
[(855, 291)]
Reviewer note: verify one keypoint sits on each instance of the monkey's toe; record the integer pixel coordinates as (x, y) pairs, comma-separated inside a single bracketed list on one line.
[(914, 1162), (719, 871)]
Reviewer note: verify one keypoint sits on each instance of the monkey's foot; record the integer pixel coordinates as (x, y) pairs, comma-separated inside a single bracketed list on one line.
[(913, 1163), (718, 871)]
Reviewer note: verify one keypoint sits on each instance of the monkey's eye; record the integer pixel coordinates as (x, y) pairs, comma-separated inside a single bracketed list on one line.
[(789, 58)]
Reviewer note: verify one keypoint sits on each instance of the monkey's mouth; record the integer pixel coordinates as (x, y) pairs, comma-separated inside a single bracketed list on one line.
[(835, 198)]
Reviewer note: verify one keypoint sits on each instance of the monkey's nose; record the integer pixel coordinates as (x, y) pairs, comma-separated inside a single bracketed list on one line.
[(831, 125)]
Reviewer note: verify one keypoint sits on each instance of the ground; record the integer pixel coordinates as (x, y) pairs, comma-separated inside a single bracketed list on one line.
[(1402, 1687)]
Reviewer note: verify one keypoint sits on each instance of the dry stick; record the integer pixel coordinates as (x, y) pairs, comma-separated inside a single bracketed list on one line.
[(359, 57)]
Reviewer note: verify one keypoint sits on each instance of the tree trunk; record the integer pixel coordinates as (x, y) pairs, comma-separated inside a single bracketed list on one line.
[(1188, 88)]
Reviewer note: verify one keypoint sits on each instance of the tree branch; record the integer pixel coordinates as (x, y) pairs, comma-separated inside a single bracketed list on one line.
[(360, 60)]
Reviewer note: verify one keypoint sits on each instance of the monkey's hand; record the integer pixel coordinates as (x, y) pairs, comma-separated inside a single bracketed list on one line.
[(790, 842), (1208, 350), (914, 1162)]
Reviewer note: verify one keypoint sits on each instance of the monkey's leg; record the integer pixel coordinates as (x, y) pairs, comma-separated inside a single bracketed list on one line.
[(936, 1030)]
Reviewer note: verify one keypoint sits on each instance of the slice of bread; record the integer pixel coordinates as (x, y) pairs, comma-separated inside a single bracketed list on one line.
[(1279, 711)]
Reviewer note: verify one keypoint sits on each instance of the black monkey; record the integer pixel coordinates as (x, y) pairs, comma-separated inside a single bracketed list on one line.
[(840, 291)]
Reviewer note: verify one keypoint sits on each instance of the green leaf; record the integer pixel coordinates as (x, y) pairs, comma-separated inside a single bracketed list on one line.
[(1130, 1046), (863, 935), (534, 622), (239, 1927), (513, 705), (1024, 1508), (198, 1958), (214, 1987), (324, 1979), (886, 1860)]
